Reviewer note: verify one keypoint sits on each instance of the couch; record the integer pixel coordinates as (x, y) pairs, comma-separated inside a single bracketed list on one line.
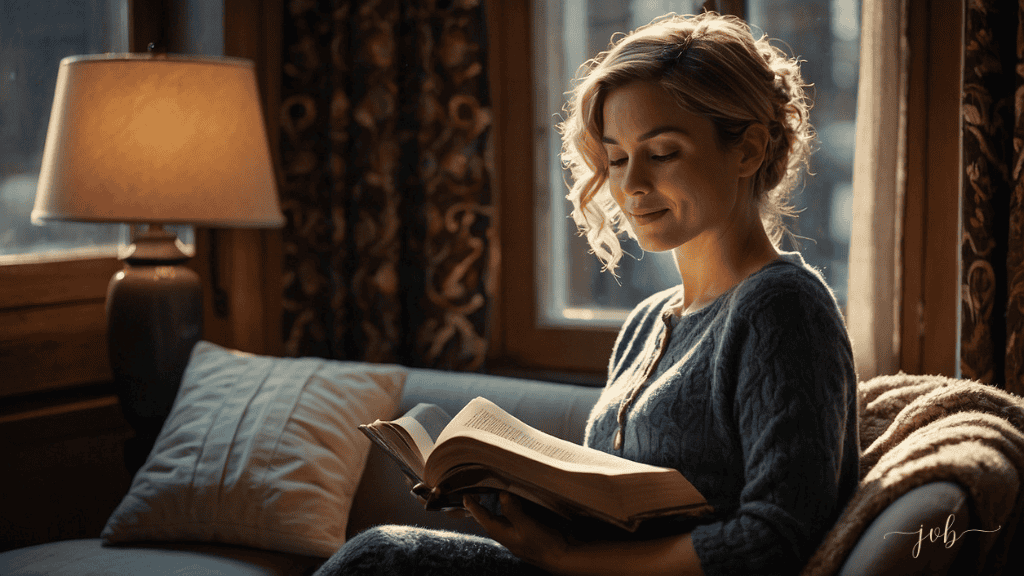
[(885, 546), (382, 495)]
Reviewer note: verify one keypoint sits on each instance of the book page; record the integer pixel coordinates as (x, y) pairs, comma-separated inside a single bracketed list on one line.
[(485, 447), (393, 441), (483, 415), (422, 425), (420, 437), (432, 417)]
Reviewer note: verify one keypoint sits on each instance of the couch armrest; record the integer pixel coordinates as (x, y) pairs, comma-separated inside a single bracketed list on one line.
[(890, 543)]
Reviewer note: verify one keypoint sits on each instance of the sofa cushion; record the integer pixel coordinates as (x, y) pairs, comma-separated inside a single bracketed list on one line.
[(258, 451), (91, 558)]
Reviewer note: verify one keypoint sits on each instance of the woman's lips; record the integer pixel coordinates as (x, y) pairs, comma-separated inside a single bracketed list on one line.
[(648, 217)]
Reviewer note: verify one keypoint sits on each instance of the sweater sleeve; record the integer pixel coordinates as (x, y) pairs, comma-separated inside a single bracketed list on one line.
[(794, 408)]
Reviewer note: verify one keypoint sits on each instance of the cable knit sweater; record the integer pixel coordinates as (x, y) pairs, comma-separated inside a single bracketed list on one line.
[(754, 401)]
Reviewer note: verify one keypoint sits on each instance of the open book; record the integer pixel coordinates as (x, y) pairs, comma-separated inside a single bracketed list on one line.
[(484, 449)]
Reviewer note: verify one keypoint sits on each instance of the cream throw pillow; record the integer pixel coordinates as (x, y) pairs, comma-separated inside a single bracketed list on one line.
[(258, 451)]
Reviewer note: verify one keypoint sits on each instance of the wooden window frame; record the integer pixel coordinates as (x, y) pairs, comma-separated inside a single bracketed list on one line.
[(930, 299), (928, 320), (518, 342), (520, 345), (53, 324), (52, 311)]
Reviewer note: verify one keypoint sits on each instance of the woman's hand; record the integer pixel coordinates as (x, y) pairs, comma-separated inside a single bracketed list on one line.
[(419, 491), (533, 541), (546, 547)]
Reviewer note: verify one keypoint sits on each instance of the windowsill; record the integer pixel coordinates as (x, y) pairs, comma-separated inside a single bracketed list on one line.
[(52, 256)]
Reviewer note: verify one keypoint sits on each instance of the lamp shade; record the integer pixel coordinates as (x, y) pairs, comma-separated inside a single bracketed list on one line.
[(144, 138)]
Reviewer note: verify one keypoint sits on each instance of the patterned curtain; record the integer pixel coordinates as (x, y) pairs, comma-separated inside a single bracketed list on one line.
[(390, 245), (992, 293)]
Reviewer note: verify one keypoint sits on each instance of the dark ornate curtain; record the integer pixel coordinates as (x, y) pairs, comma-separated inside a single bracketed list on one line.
[(992, 293), (390, 245)]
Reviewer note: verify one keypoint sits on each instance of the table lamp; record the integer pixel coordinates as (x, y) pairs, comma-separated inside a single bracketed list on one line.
[(155, 139)]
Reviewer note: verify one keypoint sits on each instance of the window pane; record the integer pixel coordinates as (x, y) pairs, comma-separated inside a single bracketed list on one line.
[(571, 288), (34, 37), (827, 36)]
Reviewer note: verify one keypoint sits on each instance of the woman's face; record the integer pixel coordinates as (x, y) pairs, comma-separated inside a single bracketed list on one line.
[(667, 172)]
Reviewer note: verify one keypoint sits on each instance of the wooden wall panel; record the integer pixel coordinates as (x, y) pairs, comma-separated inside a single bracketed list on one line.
[(51, 347), (248, 262), (69, 471)]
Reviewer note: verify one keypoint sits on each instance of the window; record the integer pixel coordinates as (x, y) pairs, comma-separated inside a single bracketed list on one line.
[(572, 291), (34, 37), (544, 327), (52, 304), (827, 36), (53, 278)]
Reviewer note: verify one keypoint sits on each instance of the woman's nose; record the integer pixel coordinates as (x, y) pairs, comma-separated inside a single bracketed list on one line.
[(636, 180)]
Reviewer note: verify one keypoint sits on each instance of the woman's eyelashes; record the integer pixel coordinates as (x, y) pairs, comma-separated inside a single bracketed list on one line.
[(655, 157)]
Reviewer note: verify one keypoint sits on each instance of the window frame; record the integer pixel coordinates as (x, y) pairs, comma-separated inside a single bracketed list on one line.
[(52, 311), (927, 321), (520, 343)]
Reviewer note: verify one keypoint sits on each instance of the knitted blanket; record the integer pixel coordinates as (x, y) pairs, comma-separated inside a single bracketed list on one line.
[(916, 429)]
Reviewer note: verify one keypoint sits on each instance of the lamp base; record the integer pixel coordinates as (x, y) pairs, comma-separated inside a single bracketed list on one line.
[(154, 318)]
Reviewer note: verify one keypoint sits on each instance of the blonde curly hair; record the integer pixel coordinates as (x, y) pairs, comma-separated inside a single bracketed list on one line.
[(714, 67)]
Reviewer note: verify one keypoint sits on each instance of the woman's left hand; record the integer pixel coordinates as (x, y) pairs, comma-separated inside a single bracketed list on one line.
[(533, 541)]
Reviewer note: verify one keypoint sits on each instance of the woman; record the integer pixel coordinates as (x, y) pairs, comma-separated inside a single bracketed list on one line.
[(690, 135)]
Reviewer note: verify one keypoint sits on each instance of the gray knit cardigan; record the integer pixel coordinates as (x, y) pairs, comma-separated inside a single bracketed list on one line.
[(754, 401)]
